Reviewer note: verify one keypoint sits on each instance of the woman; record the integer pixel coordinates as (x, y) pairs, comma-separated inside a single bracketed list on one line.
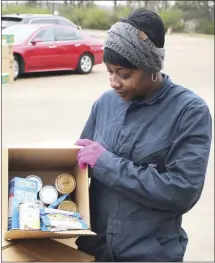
[(147, 142)]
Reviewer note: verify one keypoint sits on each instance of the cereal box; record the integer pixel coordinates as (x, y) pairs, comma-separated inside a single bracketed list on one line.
[(21, 190)]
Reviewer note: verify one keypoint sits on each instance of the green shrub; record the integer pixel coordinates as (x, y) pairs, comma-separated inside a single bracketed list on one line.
[(96, 18), (205, 27), (24, 9), (172, 18)]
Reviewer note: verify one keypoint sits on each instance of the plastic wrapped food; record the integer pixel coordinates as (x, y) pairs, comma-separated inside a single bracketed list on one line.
[(58, 201), (59, 220)]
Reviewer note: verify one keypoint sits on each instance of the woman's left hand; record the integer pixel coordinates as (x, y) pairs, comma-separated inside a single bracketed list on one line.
[(90, 153)]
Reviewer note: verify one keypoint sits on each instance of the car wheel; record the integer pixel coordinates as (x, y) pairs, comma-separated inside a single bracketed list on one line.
[(16, 68), (85, 64)]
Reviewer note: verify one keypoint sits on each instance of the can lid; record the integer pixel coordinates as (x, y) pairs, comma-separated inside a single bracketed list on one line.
[(48, 194), (68, 206), (36, 178), (65, 183)]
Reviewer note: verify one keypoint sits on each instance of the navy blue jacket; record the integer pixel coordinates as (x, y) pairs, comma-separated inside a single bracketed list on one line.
[(151, 174)]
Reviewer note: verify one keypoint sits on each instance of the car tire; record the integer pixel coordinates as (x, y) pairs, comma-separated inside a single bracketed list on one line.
[(85, 64), (16, 67)]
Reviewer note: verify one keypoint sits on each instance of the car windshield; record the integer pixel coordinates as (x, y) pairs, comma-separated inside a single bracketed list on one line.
[(20, 33), (9, 21)]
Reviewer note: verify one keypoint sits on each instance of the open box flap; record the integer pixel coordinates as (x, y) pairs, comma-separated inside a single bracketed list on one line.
[(28, 234), (15, 254), (4, 242), (36, 250), (49, 144), (42, 158), (59, 252)]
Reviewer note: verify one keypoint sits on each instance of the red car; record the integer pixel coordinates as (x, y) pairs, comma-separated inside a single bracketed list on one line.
[(53, 48)]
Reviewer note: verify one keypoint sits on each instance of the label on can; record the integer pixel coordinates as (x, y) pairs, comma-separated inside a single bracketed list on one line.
[(68, 206), (65, 183), (29, 216), (48, 194), (38, 179)]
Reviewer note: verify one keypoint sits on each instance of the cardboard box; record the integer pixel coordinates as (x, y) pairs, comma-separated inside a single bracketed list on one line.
[(7, 51), (7, 64), (7, 67), (7, 39), (47, 162), (39, 251)]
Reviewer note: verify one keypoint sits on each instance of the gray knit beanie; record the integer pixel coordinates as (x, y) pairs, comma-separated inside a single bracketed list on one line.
[(135, 46)]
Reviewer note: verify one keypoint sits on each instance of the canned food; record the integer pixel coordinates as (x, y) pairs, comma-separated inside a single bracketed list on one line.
[(29, 216), (48, 194), (68, 206), (65, 183), (36, 178)]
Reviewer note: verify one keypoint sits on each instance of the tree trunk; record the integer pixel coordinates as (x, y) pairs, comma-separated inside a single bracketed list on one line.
[(115, 4), (32, 2)]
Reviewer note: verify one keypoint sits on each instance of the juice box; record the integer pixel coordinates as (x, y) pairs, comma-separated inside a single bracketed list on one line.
[(29, 216), (21, 190)]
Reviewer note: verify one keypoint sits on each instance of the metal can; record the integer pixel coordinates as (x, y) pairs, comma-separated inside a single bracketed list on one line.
[(48, 194), (29, 216), (38, 179), (65, 183), (68, 206)]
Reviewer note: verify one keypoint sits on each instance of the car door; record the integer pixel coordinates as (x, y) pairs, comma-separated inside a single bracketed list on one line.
[(42, 55), (70, 46)]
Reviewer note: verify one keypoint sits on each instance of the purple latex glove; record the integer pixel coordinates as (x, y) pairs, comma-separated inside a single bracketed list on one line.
[(90, 153)]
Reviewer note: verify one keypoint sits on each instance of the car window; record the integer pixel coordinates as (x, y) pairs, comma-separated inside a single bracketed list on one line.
[(45, 35), (65, 22), (43, 21), (21, 34), (65, 34), (9, 21)]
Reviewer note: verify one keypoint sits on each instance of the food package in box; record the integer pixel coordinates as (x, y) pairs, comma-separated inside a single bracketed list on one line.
[(21, 190)]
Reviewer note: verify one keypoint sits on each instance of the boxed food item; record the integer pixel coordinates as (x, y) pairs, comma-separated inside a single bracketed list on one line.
[(21, 190), (29, 216), (47, 163), (59, 220)]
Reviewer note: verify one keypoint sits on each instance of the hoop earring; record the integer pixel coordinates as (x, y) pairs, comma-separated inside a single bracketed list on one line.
[(154, 79)]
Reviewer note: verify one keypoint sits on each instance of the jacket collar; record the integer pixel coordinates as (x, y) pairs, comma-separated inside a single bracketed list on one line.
[(160, 94)]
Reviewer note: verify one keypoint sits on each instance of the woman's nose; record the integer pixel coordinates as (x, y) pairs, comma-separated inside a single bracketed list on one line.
[(114, 82)]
